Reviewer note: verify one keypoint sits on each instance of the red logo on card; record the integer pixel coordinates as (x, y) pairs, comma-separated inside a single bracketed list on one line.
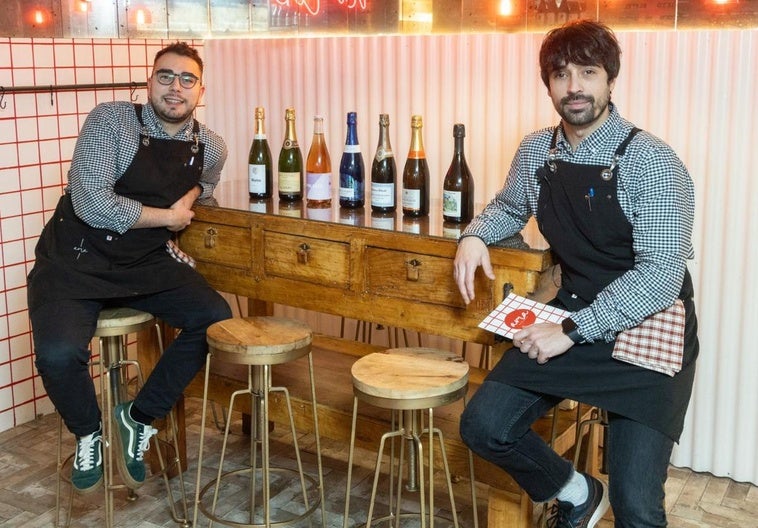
[(521, 318)]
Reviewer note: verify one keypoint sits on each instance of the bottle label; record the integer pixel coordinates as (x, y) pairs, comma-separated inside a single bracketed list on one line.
[(352, 149), (347, 193), (289, 182), (451, 203), (318, 185), (290, 144), (259, 136), (382, 154), (256, 175), (382, 194), (412, 199)]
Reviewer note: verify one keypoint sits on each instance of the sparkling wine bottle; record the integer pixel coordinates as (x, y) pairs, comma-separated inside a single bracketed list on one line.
[(416, 174), (290, 162), (352, 172), (319, 169), (383, 171), (259, 166), (458, 187)]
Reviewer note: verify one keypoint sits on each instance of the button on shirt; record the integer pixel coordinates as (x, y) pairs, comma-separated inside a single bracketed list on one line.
[(104, 150), (656, 194)]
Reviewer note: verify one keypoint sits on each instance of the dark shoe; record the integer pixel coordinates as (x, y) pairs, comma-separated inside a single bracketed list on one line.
[(587, 515), (87, 471), (132, 440)]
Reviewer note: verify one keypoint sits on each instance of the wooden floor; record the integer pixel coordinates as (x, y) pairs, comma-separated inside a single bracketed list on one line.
[(28, 467)]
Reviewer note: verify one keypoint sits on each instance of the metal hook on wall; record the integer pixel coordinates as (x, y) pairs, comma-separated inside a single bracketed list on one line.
[(132, 94), (3, 104)]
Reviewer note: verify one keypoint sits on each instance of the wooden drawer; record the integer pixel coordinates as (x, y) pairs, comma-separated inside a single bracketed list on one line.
[(218, 243), (407, 275), (308, 259)]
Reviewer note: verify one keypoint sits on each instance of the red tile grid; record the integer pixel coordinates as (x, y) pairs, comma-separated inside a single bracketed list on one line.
[(38, 132)]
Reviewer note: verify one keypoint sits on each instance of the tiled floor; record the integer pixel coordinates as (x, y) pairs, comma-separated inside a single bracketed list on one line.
[(27, 485)]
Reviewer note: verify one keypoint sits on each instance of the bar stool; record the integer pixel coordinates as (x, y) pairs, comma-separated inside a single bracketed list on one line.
[(259, 343), (408, 381), (113, 327)]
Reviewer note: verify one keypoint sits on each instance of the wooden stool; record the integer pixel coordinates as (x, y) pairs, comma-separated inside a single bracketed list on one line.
[(409, 381), (113, 327), (259, 343)]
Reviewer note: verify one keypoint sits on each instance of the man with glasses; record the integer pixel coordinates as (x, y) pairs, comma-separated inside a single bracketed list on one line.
[(135, 173)]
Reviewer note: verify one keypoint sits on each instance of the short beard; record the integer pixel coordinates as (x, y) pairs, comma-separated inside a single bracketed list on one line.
[(584, 117)]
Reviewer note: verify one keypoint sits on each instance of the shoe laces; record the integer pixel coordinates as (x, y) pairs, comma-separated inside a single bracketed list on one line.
[(144, 434), (559, 515), (88, 452)]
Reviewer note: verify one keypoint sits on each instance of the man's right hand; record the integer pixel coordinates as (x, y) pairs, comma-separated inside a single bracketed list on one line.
[(472, 253)]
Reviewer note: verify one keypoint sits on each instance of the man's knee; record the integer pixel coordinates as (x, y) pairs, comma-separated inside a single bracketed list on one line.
[(59, 358)]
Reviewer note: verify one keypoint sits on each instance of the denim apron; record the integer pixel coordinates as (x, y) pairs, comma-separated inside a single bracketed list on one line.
[(77, 261), (580, 217)]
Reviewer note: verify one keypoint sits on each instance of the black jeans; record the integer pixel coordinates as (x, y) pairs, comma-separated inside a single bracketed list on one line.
[(496, 425), (63, 330)]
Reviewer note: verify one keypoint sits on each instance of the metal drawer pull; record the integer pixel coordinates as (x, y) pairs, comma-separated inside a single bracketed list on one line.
[(210, 237), (302, 253), (412, 269)]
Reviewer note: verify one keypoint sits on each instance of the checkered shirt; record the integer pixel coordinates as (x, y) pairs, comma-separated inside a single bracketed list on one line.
[(655, 193), (105, 148)]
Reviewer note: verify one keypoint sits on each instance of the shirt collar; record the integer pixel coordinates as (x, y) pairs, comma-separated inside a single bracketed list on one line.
[(597, 139)]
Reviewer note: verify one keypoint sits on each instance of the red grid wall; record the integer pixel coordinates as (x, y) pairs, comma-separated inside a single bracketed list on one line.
[(37, 136)]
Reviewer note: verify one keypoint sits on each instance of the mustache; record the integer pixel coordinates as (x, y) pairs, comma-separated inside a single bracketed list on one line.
[(578, 97)]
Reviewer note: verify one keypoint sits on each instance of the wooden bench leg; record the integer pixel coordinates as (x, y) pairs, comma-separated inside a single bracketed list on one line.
[(508, 510)]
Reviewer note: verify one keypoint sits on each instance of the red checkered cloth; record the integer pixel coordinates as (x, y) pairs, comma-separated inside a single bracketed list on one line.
[(657, 343), (178, 254)]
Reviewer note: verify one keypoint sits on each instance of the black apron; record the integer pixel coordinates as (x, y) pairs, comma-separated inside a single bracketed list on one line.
[(580, 217), (77, 261)]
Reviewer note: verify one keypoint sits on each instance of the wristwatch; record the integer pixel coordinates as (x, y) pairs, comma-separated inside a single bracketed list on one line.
[(570, 329)]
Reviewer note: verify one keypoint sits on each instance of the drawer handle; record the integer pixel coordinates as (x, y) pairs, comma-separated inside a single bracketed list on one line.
[(210, 237), (303, 252), (412, 268)]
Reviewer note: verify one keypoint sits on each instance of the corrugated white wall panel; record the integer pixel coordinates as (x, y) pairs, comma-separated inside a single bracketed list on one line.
[(695, 89)]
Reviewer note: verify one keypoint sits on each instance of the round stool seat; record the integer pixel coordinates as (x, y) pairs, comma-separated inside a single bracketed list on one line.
[(259, 340), (426, 353), (406, 381), (121, 321)]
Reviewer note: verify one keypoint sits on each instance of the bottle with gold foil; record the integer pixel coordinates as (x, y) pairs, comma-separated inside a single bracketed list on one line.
[(416, 174), (259, 166), (290, 162), (458, 186), (318, 168), (383, 171)]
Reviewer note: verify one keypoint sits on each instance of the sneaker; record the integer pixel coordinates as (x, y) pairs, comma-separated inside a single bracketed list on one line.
[(87, 471), (587, 515), (132, 440)]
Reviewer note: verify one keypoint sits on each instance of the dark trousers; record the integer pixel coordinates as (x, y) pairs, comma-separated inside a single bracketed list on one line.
[(63, 330), (496, 425)]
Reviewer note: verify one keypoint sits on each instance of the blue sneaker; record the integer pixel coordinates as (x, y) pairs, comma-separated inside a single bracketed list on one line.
[(132, 440), (587, 515), (87, 470)]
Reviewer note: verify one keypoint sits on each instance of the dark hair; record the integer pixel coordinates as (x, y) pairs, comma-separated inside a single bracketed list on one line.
[(582, 42), (183, 49)]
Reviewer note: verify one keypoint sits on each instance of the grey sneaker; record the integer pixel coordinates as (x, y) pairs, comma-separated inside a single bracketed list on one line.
[(587, 515), (132, 440), (87, 470)]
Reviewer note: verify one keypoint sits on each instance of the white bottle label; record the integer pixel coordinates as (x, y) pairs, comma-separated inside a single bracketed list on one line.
[(318, 186), (352, 149), (289, 182), (451, 203), (382, 194), (412, 199), (347, 193), (257, 178)]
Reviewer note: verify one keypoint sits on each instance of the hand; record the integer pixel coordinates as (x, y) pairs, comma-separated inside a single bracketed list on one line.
[(181, 211), (472, 253), (542, 341)]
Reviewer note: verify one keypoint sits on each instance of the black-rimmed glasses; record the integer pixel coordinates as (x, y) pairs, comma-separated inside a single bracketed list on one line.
[(186, 79)]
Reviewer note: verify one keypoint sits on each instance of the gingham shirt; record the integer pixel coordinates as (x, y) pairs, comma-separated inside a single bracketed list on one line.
[(104, 150), (655, 193)]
